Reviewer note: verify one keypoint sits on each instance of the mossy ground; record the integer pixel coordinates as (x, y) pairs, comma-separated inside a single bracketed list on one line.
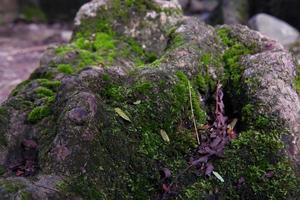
[(254, 166), (162, 105)]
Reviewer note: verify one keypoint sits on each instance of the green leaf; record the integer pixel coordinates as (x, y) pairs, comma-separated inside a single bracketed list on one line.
[(164, 135), (218, 176), (122, 114)]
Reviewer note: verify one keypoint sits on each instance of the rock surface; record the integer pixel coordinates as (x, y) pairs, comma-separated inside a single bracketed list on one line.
[(274, 28), (101, 107)]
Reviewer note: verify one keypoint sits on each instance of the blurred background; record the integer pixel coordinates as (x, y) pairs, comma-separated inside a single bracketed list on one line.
[(28, 27)]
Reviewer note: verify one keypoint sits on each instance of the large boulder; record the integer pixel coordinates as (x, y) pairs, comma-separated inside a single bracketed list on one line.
[(110, 115)]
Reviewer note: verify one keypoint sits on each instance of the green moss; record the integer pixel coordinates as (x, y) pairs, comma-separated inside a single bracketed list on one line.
[(19, 87), (139, 150), (197, 191), (65, 68), (105, 48), (84, 188), (198, 111), (231, 58), (233, 70), (63, 49), (114, 92), (25, 196), (104, 41), (253, 156), (10, 187), (256, 155), (44, 92), (38, 113), (118, 10), (50, 84), (224, 35), (176, 39)]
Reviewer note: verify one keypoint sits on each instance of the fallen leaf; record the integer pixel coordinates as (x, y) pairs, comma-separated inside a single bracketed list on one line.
[(215, 142), (209, 169), (29, 144), (165, 173), (137, 102), (232, 124), (218, 176), (122, 114), (164, 135), (19, 173), (203, 159), (166, 188)]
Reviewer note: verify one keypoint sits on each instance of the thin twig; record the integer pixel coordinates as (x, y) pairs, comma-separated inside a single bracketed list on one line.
[(47, 188), (193, 116)]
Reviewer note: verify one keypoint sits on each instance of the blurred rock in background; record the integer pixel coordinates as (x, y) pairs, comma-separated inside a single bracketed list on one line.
[(21, 48), (8, 10), (278, 19), (50, 10), (274, 28), (39, 10), (286, 10)]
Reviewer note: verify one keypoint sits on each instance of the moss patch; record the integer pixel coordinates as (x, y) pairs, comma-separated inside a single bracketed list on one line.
[(38, 113), (65, 68)]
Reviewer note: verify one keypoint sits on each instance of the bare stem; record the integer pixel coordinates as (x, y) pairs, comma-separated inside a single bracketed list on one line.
[(193, 116)]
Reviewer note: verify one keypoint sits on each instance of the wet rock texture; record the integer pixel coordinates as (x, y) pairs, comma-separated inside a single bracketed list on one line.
[(88, 150)]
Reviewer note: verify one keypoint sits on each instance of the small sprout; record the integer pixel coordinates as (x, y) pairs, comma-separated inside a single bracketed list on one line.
[(164, 136), (122, 114), (218, 176), (137, 102)]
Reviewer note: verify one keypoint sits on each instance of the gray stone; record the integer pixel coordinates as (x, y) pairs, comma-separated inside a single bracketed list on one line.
[(274, 28)]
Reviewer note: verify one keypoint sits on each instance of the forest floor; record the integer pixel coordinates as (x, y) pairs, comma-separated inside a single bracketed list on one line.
[(21, 47)]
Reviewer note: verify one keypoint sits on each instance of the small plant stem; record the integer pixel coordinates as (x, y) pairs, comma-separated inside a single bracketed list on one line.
[(193, 116)]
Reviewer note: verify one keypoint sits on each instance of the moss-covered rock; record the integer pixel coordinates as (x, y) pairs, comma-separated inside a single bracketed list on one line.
[(114, 107)]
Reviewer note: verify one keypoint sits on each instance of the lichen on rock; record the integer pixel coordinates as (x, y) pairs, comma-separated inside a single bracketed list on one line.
[(140, 58)]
